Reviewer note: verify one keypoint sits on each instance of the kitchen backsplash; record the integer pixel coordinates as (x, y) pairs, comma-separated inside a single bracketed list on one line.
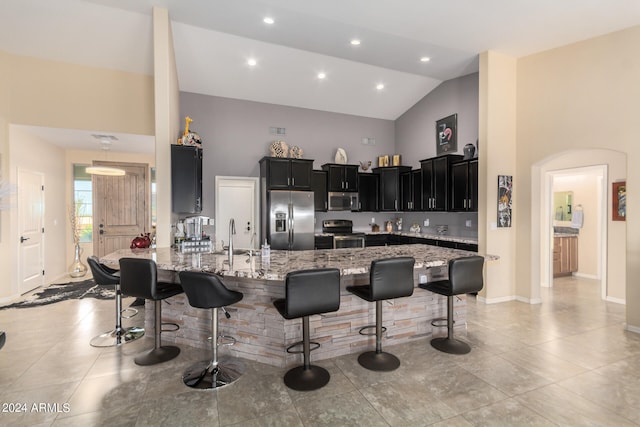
[(455, 221)]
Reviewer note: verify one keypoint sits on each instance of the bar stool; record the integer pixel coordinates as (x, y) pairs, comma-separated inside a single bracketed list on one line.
[(105, 276), (388, 279), (207, 291), (139, 278), (308, 292), (465, 276)]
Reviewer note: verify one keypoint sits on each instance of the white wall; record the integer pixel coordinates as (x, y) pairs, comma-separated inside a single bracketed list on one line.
[(32, 154)]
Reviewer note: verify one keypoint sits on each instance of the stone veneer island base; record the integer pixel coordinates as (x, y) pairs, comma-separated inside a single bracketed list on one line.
[(260, 331)]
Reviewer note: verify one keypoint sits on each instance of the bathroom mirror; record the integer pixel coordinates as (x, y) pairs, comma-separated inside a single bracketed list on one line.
[(562, 205)]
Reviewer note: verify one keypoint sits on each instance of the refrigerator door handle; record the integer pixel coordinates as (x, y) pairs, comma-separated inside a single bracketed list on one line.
[(291, 221)]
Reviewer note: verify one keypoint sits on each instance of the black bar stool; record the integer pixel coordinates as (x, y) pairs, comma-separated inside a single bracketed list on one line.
[(207, 291), (465, 276), (308, 292), (388, 279), (105, 276), (139, 278)]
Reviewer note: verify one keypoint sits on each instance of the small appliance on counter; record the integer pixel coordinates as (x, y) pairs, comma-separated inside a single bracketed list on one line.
[(194, 239)]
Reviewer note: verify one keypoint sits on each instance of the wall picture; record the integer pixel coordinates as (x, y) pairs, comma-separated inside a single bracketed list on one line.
[(505, 193), (619, 199), (447, 135)]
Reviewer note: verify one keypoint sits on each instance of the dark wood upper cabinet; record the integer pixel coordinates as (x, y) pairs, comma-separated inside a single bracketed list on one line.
[(435, 182), (286, 174), (369, 192), (342, 178), (411, 188), (464, 186), (186, 179), (319, 187), (390, 195)]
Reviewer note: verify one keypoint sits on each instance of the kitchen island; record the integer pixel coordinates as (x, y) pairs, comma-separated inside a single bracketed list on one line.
[(262, 334)]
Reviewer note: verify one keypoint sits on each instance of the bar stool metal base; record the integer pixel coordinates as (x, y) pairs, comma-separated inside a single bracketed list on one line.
[(306, 379), (115, 338), (378, 361), (450, 345), (157, 355), (203, 376)]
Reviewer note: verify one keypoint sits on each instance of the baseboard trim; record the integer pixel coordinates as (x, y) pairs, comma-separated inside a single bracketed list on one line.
[(630, 328), (586, 276), (616, 300), (496, 300)]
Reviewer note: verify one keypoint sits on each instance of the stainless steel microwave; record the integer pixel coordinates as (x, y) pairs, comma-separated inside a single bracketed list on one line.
[(343, 201)]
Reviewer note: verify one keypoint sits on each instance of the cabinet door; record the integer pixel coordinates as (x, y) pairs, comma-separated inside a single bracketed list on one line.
[(406, 191), (473, 186), (301, 174), (279, 174), (427, 184), (573, 254), (389, 190), (416, 189), (186, 179), (459, 186), (351, 178), (440, 183), (335, 177), (368, 191), (319, 187)]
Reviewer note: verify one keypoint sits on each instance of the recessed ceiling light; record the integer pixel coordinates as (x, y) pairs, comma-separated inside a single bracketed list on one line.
[(379, 86), (425, 59), (268, 20), (355, 42), (322, 76), (252, 62)]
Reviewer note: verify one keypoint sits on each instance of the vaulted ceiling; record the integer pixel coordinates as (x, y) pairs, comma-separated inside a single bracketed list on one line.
[(215, 39)]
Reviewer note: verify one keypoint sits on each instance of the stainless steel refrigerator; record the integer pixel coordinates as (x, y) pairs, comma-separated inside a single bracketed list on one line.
[(291, 219)]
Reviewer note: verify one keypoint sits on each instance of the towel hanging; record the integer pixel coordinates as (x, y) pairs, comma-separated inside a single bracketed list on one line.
[(577, 218)]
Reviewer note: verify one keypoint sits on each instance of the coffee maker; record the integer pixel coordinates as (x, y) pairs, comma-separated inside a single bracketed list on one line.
[(195, 237)]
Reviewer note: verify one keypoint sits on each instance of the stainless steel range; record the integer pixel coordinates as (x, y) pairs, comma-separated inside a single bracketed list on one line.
[(343, 235)]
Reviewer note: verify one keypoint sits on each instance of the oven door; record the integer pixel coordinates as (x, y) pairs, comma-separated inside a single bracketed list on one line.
[(348, 242)]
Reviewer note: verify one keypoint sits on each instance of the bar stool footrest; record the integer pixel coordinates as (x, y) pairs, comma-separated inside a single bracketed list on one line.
[(129, 316), (312, 346), (175, 327), (364, 328)]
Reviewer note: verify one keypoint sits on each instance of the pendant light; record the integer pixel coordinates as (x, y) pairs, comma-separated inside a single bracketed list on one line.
[(105, 145)]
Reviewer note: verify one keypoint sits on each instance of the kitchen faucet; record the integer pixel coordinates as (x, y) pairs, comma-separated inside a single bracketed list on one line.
[(232, 231)]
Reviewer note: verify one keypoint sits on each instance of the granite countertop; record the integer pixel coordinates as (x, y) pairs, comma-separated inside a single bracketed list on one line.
[(348, 260)]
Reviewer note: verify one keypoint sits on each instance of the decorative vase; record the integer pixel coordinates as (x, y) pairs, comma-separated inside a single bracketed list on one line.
[(77, 268)]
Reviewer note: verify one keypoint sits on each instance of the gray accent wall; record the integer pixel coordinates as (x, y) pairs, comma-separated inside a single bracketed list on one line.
[(235, 135), (415, 130)]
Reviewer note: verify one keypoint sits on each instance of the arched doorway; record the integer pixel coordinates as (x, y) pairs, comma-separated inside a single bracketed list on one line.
[(613, 255)]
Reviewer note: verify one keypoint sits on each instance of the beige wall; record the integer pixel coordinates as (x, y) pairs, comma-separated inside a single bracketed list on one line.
[(497, 153), (582, 96), (53, 94), (167, 110)]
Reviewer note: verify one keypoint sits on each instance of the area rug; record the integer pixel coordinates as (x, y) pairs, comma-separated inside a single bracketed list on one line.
[(64, 291)]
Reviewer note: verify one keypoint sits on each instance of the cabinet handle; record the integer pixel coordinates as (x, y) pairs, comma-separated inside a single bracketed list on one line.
[(293, 182), (470, 204), (464, 204), (288, 181), (395, 204)]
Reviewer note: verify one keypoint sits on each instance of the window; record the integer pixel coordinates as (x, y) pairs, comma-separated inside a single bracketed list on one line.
[(83, 201)]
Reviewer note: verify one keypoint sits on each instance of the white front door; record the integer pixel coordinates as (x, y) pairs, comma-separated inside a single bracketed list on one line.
[(31, 229), (237, 198)]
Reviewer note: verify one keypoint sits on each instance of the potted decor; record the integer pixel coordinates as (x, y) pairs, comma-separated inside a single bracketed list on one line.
[(77, 268)]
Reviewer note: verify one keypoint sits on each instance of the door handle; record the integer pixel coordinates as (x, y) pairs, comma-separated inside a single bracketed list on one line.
[(22, 239)]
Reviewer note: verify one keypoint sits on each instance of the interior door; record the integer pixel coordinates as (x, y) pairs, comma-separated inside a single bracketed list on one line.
[(31, 223), (237, 198), (121, 207)]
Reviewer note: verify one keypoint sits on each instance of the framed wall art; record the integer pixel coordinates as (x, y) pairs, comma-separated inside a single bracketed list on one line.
[(505, 194), (619, 199), (447, 135)]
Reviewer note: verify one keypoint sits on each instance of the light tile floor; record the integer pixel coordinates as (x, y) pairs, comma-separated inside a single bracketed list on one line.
[(567, 361)]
